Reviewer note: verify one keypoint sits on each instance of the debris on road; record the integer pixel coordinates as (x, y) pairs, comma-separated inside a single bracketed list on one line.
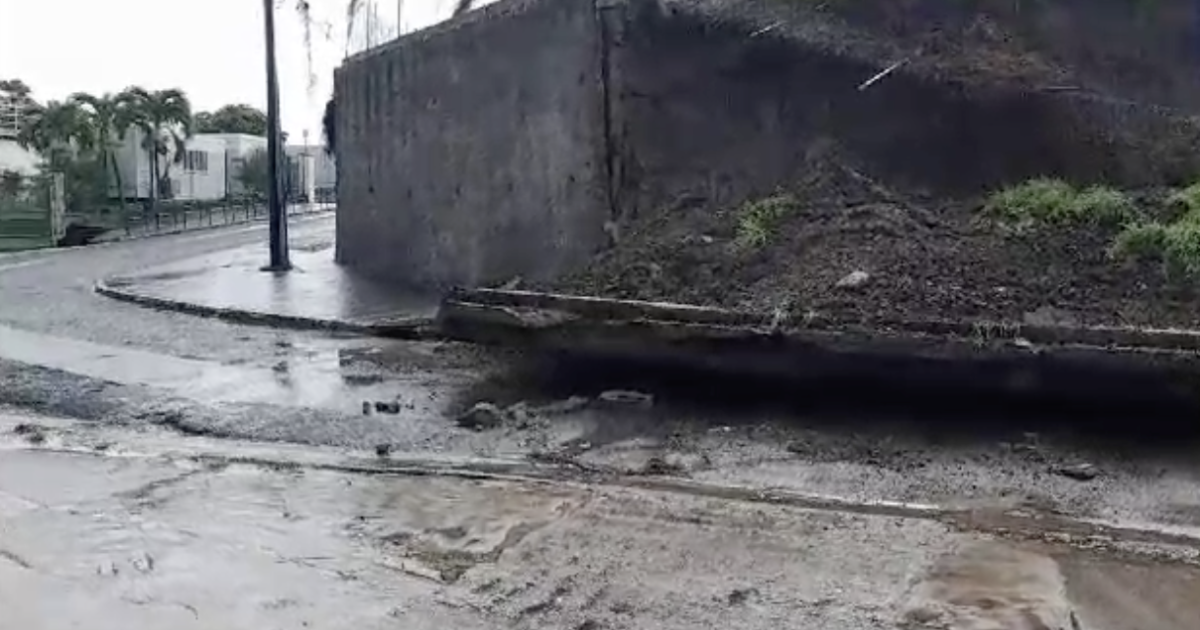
[(1078, 472), (383, 450), (740, 596), (33, 433), (853, 280), (387, 406), (663, 465), (626, 397), (484, 415)]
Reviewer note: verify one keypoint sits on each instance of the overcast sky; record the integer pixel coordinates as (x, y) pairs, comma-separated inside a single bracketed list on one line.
[(212, 49)]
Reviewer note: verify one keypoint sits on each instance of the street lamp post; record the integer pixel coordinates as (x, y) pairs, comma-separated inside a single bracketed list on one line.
[(275, 204)]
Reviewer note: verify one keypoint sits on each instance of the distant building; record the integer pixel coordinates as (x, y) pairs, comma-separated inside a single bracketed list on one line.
[(210, 167), (311, 172), (11, 114), (14, 157)]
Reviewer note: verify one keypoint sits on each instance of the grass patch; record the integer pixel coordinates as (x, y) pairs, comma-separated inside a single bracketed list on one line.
[(1188, 199), (1176, 244), (1140, 240), (759, 220), (1048, 201)]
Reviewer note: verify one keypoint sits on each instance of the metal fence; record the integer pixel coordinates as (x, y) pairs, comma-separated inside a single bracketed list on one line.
[(167, 217), (31, 212)]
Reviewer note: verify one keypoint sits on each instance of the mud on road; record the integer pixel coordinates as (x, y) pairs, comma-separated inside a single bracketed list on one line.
[(134, 536)]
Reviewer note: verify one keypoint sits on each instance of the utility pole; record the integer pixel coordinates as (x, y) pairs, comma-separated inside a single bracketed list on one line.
[(280, 261)]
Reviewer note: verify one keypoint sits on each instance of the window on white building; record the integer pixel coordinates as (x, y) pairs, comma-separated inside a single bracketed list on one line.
[(196, 161)]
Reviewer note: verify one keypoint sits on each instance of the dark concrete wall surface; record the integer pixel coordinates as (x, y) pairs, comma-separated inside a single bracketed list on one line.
[(501, 144), (472, 152)]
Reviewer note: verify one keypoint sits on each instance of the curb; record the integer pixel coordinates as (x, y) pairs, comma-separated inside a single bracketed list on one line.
[(415, 328)]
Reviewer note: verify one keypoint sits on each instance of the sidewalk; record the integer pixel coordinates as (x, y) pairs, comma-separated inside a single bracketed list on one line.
[(316, 293)]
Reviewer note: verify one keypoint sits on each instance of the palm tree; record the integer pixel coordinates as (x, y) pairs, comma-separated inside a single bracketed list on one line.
[(165, 120), (57, 131), (110, 118)]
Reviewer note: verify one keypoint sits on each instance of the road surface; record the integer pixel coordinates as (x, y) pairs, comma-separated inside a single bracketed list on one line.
[(687, 512)]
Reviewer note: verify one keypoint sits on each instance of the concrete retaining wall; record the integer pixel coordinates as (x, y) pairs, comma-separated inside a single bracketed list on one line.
[(472, 152), (502, 144)]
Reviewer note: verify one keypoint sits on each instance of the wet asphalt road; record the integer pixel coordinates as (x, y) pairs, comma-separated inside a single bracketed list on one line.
[(190, 461), (66, 351), (135, 528), (51, 292)]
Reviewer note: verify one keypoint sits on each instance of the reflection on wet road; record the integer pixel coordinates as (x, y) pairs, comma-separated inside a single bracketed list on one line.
[(323, 373)]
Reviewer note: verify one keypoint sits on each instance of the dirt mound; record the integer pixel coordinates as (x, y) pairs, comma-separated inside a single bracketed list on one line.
[(858, 194), (843, 245)]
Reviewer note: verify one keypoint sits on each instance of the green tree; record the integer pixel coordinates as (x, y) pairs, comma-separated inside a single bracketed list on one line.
[(64, 136), (58, 132), (233, 119), (110, 118), (165, 120), (254, 175), (16, 88)]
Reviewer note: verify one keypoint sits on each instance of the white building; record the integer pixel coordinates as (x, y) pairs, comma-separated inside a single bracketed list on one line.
[(209, 169), (311, 171), (14, 157)]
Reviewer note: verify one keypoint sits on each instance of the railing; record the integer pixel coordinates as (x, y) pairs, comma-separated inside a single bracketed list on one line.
[(167, 217)]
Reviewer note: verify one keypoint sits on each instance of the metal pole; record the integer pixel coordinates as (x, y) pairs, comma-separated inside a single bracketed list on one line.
[(278, 211)]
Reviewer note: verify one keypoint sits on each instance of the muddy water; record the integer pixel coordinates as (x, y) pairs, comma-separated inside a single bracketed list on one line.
[(316, 372), (148, 541)]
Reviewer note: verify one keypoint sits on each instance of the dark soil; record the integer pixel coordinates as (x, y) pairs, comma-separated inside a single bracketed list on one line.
[(925, 245), (925, 258)]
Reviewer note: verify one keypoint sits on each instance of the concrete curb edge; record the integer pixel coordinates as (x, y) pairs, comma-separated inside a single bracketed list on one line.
[(418, 328)]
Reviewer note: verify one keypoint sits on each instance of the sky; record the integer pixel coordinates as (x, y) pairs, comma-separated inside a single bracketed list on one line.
[(211, 49)]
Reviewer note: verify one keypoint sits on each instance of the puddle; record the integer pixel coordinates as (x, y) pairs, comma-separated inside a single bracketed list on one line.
[(1112, 594), (995, 585), (322, 375), (991, 585)]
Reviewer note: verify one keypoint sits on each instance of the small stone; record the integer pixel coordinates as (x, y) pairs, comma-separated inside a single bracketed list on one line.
[(662, 466), (627, 397), (33, 433), (484, 415), (366, 407), (741, 595), (1078, 472), (853, 280)]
